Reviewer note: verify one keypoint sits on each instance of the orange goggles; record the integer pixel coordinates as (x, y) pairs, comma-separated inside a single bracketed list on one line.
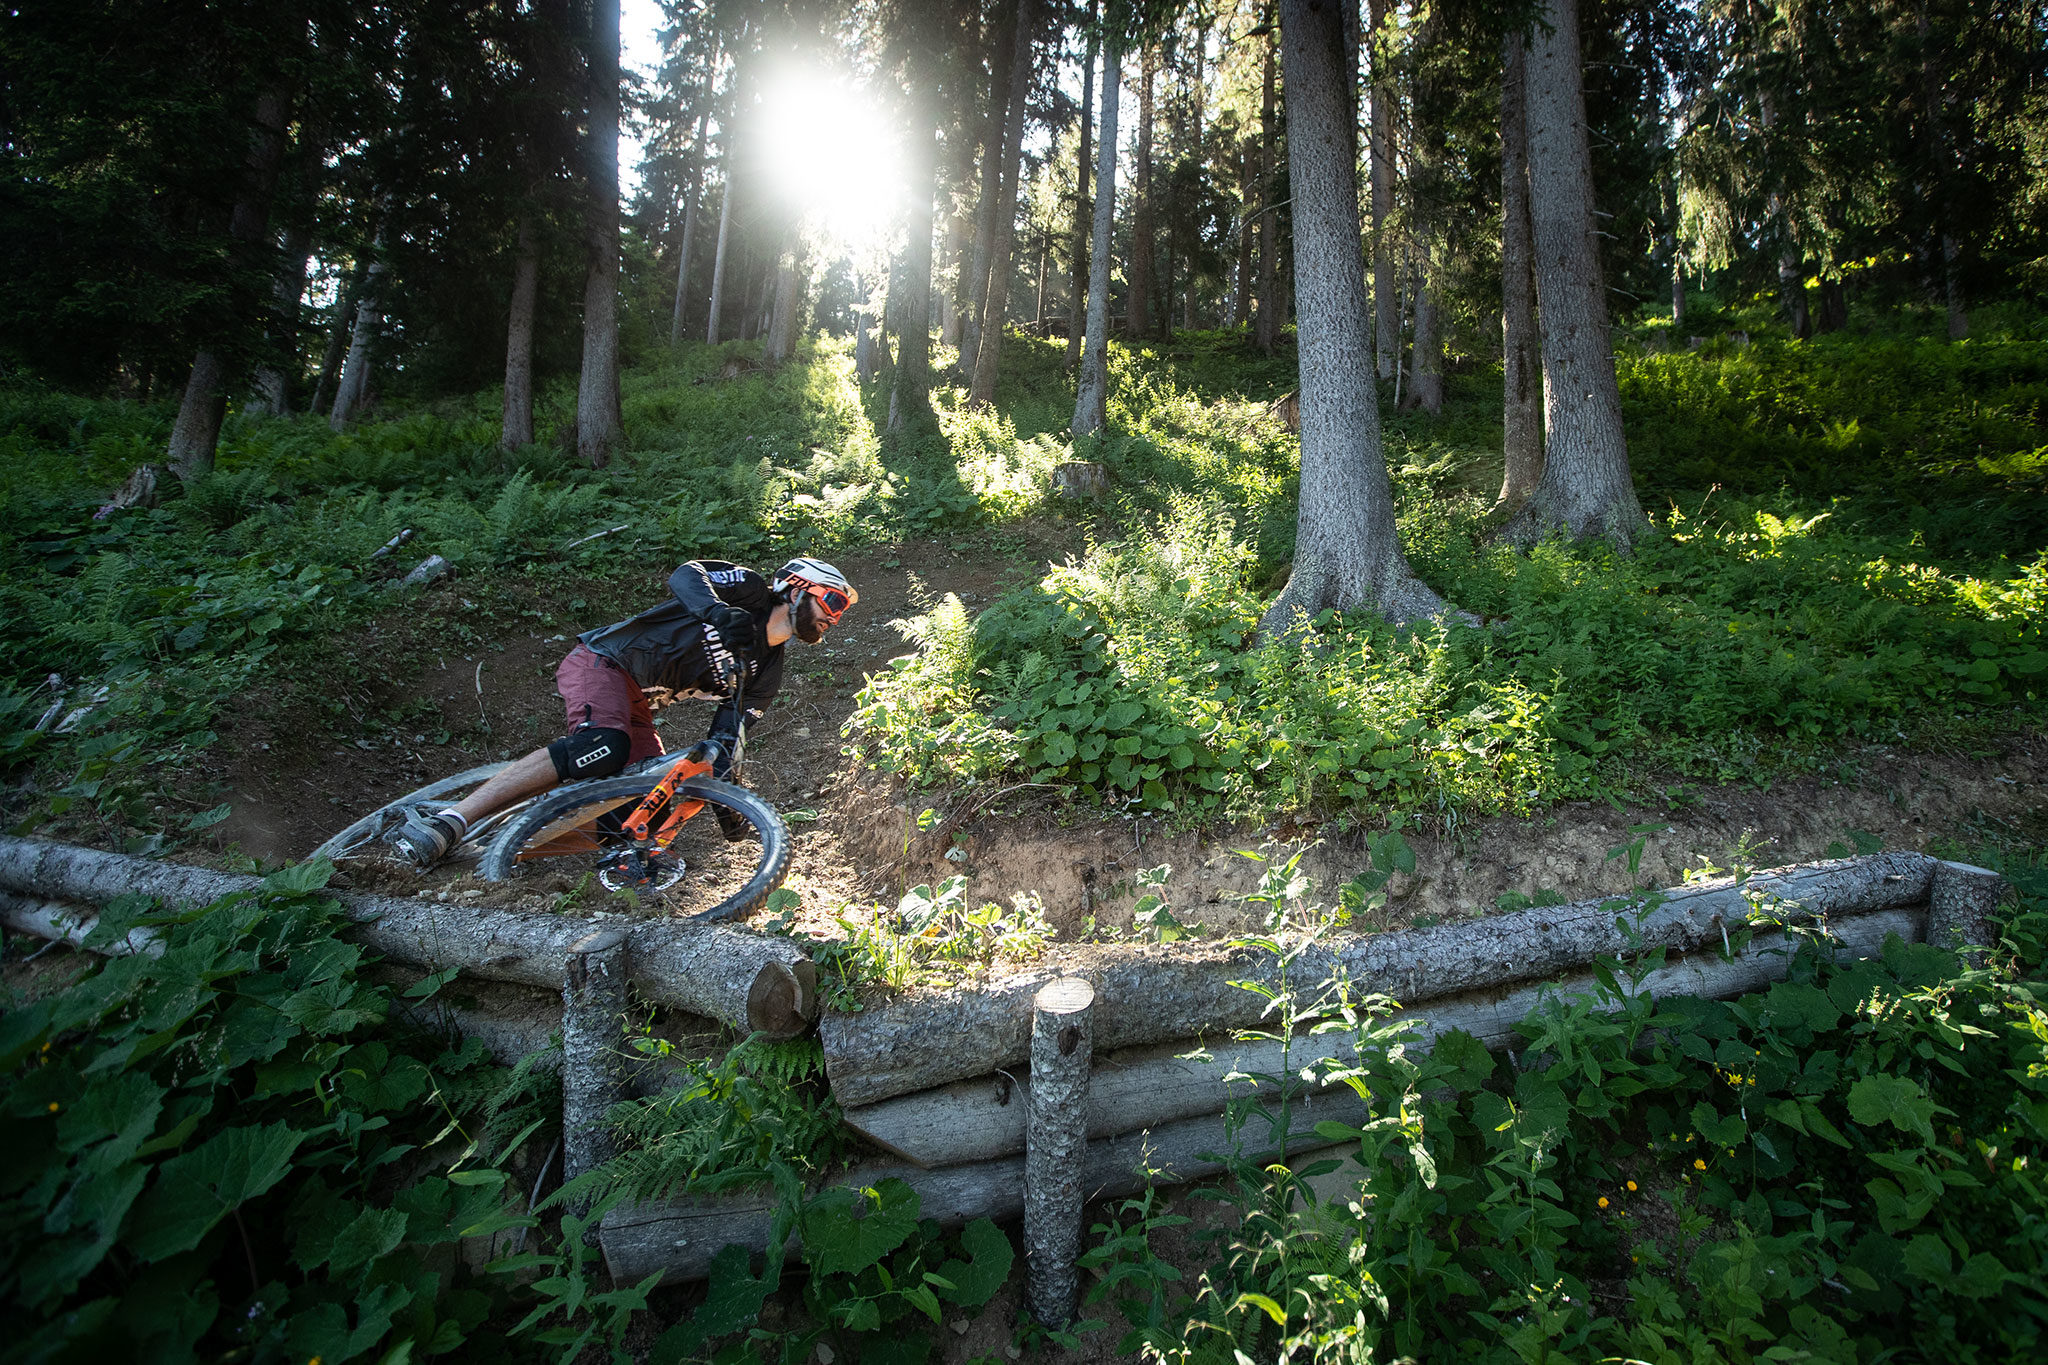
[(831, 602)]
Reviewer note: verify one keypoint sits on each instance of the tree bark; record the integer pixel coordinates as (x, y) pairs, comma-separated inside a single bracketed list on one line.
[(985, 1119), (1952, 288), (274, 378), (594, 1003), (1586, 486), (1091, 399), (1197, 95), (995, 128), (196, 432), (516, 426), (1153, 994), (678, 314), (1347, 554), (1083, 211), (910, 396), (599, 422), (1003, 238), (1056, 1147), (1266, 331), (1241, 285), (337, 342), (1380, 151), (718, 260), (1792, 288), (1671, 249), (1426, 345), (1521, 350), (1138, 308), (353, 387), (792, 280), (747, 980)]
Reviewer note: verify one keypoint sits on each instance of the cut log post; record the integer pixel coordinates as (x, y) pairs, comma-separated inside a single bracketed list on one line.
[(593, 1067), (756, 983), (681, 1236), (1080, 479), (1154, 994), (1055, 1147), (1963, 907), (984, 1119)]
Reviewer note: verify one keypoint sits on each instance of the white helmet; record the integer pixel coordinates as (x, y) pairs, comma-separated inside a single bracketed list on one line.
[(826, 586)]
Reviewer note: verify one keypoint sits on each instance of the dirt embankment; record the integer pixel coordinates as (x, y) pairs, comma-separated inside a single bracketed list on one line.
[(471, 678)]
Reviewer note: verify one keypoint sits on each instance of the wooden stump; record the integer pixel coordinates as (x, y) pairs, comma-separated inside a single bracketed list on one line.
[(593, 1068), (1961, 909), (1080, 479), (1056, 1143)]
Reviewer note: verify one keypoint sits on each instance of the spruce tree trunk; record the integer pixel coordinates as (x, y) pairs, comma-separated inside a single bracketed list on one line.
[(1671, 247), (353, 387), (677, 315), (516, 429), (1196, 95), (337, 342), (1266, 334), (910, 396), (1792, 288), (1091, 399), (197, 429), (273, 378), (1241, 295), (994, 171), (724, 239), (1347, 554), (1083, 212), (1521, 351), (1426, 346), (786, 312), (599, 423), (1585, 487), (1003, 240), (1380, 150), (1952, 288), (1138, 308)]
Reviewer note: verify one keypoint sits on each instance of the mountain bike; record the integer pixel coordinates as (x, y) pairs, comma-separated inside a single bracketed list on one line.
[(640, 831)]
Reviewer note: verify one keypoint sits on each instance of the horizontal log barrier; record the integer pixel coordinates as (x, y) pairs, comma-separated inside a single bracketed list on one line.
[(1156, 994), (983, 1119), (751, 982), (680, 1236)]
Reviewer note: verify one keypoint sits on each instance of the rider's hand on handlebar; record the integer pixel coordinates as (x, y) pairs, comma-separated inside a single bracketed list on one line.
[(735, 627)]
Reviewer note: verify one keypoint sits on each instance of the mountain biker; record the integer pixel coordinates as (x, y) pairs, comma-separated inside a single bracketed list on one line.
[(719, 637)]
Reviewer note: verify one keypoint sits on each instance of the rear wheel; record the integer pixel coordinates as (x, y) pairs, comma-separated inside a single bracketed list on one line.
[(575, 830)]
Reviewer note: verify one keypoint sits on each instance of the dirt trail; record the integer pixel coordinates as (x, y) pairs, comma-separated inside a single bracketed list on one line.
[(460, 684)]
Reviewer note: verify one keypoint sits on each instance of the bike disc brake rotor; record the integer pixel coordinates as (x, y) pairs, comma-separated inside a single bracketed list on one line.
[(631, 870)]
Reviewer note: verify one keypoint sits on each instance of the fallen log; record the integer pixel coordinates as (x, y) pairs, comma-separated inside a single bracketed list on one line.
[(751, 982), (984, 1119), (680, 1236), (1153, 994)]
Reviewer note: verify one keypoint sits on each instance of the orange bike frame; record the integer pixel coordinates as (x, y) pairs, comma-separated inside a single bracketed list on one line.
[(635, 825)]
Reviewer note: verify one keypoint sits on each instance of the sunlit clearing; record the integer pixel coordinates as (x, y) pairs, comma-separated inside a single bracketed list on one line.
[(827, 150)]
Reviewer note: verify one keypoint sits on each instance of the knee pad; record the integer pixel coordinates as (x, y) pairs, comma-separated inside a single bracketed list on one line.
[(591, 752)]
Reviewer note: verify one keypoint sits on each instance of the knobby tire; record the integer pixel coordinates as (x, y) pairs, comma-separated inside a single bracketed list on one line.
[(501, 859)]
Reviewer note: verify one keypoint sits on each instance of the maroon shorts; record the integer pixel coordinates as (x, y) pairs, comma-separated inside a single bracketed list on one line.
[(597, 692)]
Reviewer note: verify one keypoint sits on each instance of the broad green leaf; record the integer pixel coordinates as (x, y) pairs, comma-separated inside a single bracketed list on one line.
[(197, 1189), (734, 1298), (1895, 1100), (986, 1269), (846, 1230), (374, 1233)]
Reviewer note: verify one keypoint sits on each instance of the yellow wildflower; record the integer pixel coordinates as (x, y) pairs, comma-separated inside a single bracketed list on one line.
[(1603, 1201), (53, 1106), (1631, 1187), (1698, 1164)]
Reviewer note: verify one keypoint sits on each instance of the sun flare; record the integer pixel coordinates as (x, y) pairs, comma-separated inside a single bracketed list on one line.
[(825, 147)]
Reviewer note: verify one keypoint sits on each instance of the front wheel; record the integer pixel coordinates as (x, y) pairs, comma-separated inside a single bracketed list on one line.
[(721, 879)]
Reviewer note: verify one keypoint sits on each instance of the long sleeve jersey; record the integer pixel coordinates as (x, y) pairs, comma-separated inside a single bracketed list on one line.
[(674, 645)]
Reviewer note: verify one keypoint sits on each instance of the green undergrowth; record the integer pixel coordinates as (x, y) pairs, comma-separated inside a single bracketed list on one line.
[(1734, 644), (1840, 1168)]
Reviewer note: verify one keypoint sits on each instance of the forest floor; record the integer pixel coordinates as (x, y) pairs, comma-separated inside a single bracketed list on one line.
[(411, 697)]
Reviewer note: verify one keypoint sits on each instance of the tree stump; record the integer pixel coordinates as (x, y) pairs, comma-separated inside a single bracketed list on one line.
[(1056, 1143), (593, 1067), (1080, 479), (1961, 909)]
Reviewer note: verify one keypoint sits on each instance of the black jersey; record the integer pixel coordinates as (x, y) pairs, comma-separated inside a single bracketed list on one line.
[(674, 646)]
